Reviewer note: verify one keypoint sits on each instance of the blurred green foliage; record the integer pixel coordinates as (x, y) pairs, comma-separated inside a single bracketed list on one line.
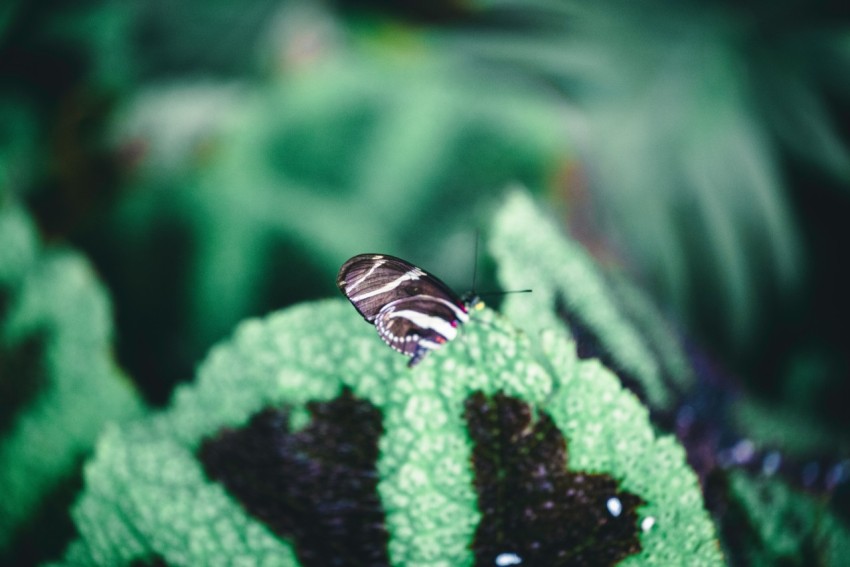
[(58, 382), (687, 110), (218, 160), (772, 524), (301, 175)]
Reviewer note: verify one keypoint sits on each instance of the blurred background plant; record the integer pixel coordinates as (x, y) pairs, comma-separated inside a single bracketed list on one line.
[(216, 160)]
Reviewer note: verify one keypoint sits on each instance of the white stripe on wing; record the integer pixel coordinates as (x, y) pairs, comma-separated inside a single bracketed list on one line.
[(350, 287), (425, 321), (409, 275)]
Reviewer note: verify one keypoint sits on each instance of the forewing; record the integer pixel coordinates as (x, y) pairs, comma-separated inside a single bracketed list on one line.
[(372, 281)]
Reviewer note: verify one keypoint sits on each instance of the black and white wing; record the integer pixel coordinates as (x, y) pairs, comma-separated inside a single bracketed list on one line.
[(413, 311)]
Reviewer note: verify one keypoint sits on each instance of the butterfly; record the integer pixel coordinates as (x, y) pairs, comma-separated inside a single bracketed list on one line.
[(413, 311)]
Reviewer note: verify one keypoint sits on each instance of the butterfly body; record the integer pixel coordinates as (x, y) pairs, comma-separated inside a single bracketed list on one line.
[(413, 311)]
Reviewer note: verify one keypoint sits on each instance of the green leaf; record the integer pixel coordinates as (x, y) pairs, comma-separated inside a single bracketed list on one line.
[(213, 39), (147, 496), (7, 12), (20, 246), (102, 31), (769, 523), (532, 252), (19, 140), (58, 382)]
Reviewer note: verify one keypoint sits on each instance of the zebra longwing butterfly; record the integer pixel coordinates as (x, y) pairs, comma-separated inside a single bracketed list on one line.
[(413, 311)]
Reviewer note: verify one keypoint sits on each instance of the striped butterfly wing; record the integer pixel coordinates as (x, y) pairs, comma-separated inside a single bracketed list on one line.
[(413, 311), (416, 325)]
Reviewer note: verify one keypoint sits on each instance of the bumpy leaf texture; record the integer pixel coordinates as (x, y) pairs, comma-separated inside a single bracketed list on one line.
[(606, 317), (304, 425), (58, 382)]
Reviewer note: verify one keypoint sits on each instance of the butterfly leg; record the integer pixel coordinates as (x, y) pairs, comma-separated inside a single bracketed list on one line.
[(418, 355)]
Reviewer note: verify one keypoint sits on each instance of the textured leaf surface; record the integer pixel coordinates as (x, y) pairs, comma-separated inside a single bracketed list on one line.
[(147, 496), (531, 505), (532, 252), (57, 375), (316, 486)]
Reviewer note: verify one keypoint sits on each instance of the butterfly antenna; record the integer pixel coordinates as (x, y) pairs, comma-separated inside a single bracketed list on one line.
[(483, 293), (474, 293)]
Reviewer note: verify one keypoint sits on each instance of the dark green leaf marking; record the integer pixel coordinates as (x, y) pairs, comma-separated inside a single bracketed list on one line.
[(50, 516), (317, 486), (531, 505), (152, 561), (4, 301), (22, 376)]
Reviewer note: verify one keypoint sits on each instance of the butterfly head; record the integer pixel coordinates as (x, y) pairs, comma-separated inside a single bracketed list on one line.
[(472, 301)]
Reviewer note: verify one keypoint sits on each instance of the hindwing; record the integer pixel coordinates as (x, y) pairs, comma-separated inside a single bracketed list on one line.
[(422, 322)]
